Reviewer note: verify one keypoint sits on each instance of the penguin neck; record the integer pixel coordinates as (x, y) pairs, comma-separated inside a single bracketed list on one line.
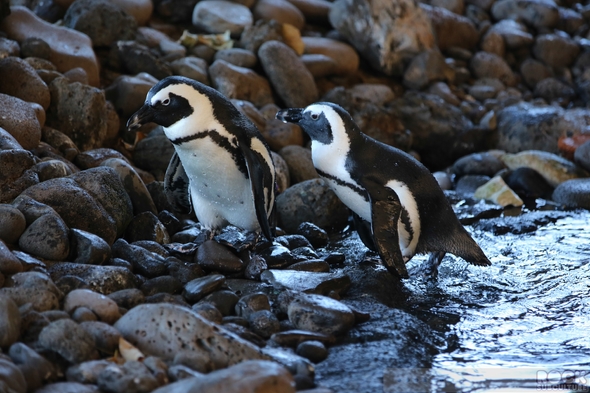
[(184, 133)]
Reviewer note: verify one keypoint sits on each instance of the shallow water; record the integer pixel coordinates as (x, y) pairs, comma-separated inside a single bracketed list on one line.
[(522, 324)]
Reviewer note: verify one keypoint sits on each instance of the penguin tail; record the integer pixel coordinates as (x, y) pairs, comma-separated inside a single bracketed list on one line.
[(470, 251)]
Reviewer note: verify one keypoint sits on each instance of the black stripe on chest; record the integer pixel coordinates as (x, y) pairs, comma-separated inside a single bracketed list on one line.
[(220, 141), (340, 182)]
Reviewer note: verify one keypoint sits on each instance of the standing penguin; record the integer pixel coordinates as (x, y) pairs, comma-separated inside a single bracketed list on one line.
[(398, 207), (221, 159)]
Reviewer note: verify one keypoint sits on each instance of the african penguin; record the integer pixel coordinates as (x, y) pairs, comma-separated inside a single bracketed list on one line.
[(398, 207), (221, 160)]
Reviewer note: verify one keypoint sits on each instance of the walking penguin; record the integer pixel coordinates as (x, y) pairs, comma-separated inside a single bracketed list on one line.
[(398, 207), (222, 167)]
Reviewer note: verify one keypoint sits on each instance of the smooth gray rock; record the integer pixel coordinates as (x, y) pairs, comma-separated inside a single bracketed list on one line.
[(18, 173), (130, 377), (166, 330), (200, 287), (47, 237), (20, 121), (320, 314), (86, 372), (35, 288), (240, 83), (68, 339), (20, 80), (88, 248), (103, 21), (573, 193), (9, 263), (287, 74), (35, 368), (101, 279), (68, 387), (10, 321), (218, 16), (11, 378), (318, 283)]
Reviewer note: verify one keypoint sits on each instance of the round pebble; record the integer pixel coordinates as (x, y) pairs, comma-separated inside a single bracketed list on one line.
[(312, 350)]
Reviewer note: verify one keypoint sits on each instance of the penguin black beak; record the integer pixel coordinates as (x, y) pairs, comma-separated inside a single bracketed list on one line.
[(142, 116), (291, 115)]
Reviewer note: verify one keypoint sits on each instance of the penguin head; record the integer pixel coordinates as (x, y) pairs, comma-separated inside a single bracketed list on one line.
[(175, 103), (324, 122)]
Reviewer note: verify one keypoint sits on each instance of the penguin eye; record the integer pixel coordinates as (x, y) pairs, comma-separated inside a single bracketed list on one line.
[(166, 101), (315, 116)]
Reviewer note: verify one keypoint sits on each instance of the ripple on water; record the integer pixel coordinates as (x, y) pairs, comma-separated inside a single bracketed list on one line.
[(526, 316)]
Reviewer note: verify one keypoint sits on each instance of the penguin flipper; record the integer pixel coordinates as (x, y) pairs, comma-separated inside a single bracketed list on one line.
[(385, 212), (363, 228), (260, 181), (176, 186)]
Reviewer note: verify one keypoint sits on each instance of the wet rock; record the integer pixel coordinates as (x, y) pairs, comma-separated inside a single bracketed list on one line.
[(312, 232), (310, 201), (86, 372), (552, 89), (345, 58), (191, 67), (299, 161), (554, 169), (486, 164), (105, 336), (451, 29), (279, 10), (103, 21), (21, 81), (101, 279), (69, 48), (536, 13), (249, 376), (146, 226), (215, 17), (573, 193), (11, 378), (9, 263), (87, 248), (277, 257), (581, 156), (161, 284), (60, 141), (68, 339), (35, 368), (292, 338), (498, 192), (47, 237), (144, 262), (10, 322), (317, 266), (183, 330), (154, 152), (240, 83), (133, 377), (514, 34), (224, 300), (318, 283), (489, 65), (52, 169), (79, 111), (128, 298), (251, 303), (556, 50), (426, 67), (312, 350), (32, 287), (198, 288), (19, 173), (209, 312), (68, 387), (213, 256), (105, 308), (321, 314), (12, 224), (136, 58), (280, 135), (362, 25), (127, 93), (134, 186), (20, 121), (287, 74), (524, 127), (264, 323), (528, 183), (238, 57), (467, 184)]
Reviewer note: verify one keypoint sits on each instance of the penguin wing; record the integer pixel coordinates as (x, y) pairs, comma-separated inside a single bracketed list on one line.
[(385, 212), (176, 186), (260, 180)]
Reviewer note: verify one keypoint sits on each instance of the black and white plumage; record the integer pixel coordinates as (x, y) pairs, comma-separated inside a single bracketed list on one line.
[(221, 160), (398, 207)]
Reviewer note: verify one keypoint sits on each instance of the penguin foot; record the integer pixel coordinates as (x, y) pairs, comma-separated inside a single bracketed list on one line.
[(429, 269)]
